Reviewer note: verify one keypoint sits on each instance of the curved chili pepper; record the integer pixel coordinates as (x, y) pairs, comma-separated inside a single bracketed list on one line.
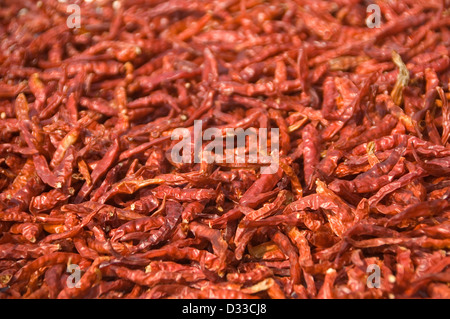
[(172, 217)]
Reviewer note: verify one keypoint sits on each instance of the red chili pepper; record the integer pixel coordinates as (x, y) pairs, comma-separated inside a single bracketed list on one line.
[(87, 175)]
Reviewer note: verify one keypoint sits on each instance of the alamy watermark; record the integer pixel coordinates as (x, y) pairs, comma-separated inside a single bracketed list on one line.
[(74, 19), (374, 19), (73, 281), (190, 149), (374, 279)]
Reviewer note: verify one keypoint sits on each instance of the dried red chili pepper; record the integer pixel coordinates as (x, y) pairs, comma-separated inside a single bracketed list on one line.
[(87, 175)]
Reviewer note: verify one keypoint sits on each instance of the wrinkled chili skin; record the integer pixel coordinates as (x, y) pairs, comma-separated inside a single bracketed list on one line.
[(87, 177)]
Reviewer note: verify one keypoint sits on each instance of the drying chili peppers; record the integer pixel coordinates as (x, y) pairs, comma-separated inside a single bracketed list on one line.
[(93, 205)]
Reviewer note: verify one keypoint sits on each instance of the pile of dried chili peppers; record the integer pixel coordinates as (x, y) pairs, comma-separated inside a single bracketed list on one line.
[(87, 181)]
